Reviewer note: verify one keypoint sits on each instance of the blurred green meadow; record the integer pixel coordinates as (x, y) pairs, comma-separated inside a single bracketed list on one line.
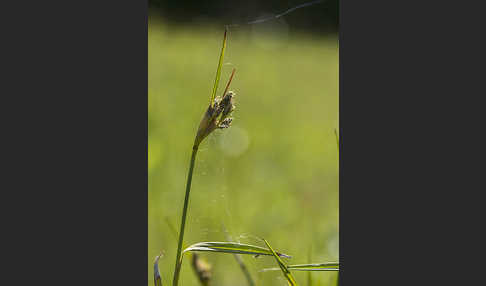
[(273, 174)]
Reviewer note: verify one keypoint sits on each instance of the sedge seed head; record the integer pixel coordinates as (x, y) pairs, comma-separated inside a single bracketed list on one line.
[(216, 116)]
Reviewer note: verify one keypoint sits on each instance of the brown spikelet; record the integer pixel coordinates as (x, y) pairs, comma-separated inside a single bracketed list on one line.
[(202, 269)]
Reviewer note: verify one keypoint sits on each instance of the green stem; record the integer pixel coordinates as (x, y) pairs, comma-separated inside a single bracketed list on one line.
[(244, 269), (240, 261), (184, 214)]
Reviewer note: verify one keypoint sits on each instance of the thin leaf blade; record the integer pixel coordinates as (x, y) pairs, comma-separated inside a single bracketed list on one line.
[(229, 81), (328, 266), (218, 71), (231, 247), (282, 266)]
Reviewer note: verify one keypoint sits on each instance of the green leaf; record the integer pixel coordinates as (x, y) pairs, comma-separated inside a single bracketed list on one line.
[(218, 71), (231, 247), (282, 266)]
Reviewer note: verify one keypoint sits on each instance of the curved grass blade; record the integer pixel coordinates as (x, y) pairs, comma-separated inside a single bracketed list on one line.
[(282, 266), (231, 247), (330, 266), (218, 71), (157, 279)]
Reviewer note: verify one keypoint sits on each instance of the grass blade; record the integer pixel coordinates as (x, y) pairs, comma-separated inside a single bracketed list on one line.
[(229, 82), (218, 71), (232, 247), (282, 266), (157, 279), (329, 266)]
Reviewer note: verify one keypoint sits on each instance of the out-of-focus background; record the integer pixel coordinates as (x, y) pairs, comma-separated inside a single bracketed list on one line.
[(274, 172)]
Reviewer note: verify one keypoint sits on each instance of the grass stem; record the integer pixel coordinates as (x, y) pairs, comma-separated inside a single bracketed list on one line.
[(184, 215)]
